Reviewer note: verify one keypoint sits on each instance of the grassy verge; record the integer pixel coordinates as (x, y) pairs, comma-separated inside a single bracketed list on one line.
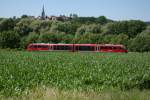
[(55, 94)]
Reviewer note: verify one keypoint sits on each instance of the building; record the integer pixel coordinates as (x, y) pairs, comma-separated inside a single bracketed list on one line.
[(43, 16), (54, 18)]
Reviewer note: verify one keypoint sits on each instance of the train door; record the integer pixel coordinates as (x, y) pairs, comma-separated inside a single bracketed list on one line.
[(74, 48), (50, 47), (97, 48)]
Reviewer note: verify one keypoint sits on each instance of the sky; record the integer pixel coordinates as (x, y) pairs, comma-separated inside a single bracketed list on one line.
[(112, 9)]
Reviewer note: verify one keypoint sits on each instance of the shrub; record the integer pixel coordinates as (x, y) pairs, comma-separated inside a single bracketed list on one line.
[(9, 39)]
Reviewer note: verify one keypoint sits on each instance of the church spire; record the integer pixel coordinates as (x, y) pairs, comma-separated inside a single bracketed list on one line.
[(43, 16)]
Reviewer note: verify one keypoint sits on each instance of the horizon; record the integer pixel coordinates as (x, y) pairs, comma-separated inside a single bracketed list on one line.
[(115, 10), (78, 16)]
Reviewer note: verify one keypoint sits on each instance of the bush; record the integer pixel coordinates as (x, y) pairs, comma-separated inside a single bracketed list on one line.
[(47, 37), (32, 38), (130, 28), (9, 39), (7, 24), (23, 42), (140, 44)]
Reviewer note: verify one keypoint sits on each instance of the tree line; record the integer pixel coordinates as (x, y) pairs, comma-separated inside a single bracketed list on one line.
[(19, 32)]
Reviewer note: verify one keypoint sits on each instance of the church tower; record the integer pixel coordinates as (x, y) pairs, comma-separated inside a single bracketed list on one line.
[(43, 16)]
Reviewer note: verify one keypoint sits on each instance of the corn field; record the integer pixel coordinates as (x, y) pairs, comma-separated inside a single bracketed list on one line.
[(83, 71)]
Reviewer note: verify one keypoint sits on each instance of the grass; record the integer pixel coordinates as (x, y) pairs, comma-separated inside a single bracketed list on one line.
[(74, 75), (55, 94)]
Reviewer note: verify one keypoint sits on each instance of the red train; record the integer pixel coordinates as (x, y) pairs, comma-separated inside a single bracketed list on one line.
[(76, 47)]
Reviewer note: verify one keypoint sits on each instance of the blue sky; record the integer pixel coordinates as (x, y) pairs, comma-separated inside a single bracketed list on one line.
[(112, 9)]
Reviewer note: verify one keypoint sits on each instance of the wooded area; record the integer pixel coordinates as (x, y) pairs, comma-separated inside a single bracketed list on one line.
[(19, 32)]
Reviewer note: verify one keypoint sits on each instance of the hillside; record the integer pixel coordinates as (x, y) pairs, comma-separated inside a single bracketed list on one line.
[(19, 32)]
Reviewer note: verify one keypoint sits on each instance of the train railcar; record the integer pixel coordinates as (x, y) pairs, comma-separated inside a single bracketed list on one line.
[(76, 47), (111, 48)]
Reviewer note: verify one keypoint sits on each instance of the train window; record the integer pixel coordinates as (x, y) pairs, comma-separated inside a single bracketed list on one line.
[(39, 46), (55, 47), (63, 47), (103, 47), (120, 48), (42, 46), (109, 48), (115, 48), (45, 46), (67, 48), (106, 47), (86, 48), (33, 46)]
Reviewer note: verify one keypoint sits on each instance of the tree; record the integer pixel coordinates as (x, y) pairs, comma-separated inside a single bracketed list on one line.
[(85, 39), (39, 25), (93, 28), (32, 38), (146, 32), (66, 27), (50, 37), (85, 20), (80, 31), (47, 38), (130, 28), (107, 39), (90, 38), (106, 29), (139, 44), (24, 16), (120, 39), (135, 27), (9, 39), (24, 42), (73, 16), (102, 20), (23, 27), (7, 24), (67, 38)]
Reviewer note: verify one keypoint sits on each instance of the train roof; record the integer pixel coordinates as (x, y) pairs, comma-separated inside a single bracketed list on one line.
[(119, 45)]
